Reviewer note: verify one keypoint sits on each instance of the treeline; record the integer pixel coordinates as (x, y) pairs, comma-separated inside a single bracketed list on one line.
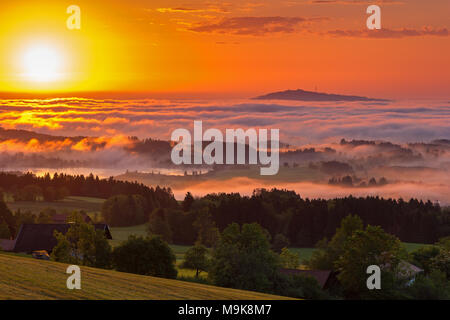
[(28, 187), (303, 221), (89, 186)]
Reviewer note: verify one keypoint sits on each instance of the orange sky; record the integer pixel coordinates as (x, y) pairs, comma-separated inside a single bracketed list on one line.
[(231, 48)]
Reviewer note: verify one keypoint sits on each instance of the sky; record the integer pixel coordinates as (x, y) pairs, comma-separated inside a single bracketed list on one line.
[(233, 49)]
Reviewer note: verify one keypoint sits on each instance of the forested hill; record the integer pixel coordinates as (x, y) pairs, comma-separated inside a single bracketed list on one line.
[(29, 187), (304, 222)]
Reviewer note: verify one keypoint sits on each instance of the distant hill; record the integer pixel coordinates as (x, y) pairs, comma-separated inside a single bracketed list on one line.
[(25, 136), (27, 278), (303, 95)]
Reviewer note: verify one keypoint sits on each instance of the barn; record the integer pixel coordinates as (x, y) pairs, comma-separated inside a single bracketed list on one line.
[(34, 237)]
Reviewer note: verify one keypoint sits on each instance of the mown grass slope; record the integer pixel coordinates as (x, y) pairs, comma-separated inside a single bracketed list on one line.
[(25, 278)]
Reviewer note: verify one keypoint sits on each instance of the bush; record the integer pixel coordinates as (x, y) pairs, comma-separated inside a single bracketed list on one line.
[(146, 256), (299, 286), (289, 259), (82, 244), (422, 257), (242, 259), (434, 286)]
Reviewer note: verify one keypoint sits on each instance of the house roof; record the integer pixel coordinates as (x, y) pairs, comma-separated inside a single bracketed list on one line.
[(321, 276), (407, 270), (34, 237)]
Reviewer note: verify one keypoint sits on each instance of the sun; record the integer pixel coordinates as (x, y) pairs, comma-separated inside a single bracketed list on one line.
[(42, 64)]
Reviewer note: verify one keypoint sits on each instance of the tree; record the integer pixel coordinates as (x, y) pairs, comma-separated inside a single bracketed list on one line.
[(187, 202), (196, 258), (6, 219), (242, 259), (441, 262), (363, 248), (5, 233), (433, 286), (46, 215), (289, 259), (159, 226), (82, 244), (423, 256), (125, 210), (146, 256), (23, 217), (29, 193), (49, 194), (207, 232), (62, 192), (280, 241), (62, 252), (299, 286), (328, 252)]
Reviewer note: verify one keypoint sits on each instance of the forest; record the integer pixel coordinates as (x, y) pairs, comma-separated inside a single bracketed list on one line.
[(282, 212)]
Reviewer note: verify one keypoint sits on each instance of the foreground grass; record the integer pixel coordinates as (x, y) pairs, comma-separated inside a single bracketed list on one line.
[(24, 278)]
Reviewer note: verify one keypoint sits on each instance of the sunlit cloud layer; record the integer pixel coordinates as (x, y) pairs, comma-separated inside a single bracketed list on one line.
[(299, 123)]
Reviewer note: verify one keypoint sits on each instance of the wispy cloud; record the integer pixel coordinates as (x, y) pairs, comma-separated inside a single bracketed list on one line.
[(192, 10), (356, 2), (386, 33), (254, 25)]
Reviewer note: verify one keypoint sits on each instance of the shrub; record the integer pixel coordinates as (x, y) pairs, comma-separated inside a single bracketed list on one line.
[(146, 256)]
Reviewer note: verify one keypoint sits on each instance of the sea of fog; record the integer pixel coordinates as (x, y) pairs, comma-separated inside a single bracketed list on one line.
[(302, 124)]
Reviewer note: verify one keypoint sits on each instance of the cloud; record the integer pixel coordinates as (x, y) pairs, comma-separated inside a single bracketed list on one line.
[(192, 10), (254, 25), (356, 2), (386, 33), (306, 124), (301, 122)]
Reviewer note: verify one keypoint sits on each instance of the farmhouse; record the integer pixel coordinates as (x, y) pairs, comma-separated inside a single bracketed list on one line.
[(34, 237), (323, 277)]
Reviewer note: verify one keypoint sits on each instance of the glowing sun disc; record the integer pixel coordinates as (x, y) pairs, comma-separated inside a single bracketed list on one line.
[(42, 64)]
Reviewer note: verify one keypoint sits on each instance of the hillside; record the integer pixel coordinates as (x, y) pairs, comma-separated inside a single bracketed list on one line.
[(303, 95), (25, 278)]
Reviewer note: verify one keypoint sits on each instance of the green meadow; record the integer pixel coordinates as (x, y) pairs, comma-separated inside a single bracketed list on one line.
[(24, 278)]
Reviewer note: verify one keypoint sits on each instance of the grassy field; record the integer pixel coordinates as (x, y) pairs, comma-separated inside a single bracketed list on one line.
[(69, 204), (304, 253), (414, 246), (25, 278), (121, 234)]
